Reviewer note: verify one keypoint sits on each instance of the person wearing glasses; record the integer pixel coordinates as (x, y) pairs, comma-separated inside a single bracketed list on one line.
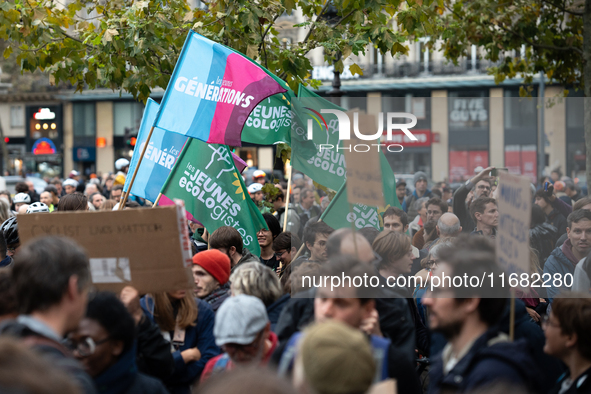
[(567, 330), (479, 186), (104, 343), (285, 246)]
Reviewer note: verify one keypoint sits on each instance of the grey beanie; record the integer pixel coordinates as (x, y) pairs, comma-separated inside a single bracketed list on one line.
[(418, 176)]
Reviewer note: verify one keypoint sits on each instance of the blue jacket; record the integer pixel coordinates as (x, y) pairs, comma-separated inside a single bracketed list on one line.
[(274, 310), (124, 378), (406, 204), (508, 362), (558, 263), (199, 336)]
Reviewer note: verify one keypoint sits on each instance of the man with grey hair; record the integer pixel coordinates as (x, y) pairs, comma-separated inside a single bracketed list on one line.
[(448, 226), (260, 281)]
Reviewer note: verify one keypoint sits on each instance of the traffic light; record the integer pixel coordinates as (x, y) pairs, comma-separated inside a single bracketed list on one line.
[(130, 138)]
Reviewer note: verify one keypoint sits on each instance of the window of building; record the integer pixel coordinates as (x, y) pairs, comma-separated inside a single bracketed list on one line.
[(127, 115), (17, 116), (520, 112), (84, 116)]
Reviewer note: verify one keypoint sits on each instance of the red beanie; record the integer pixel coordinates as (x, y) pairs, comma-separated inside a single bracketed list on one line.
[(215, 263)]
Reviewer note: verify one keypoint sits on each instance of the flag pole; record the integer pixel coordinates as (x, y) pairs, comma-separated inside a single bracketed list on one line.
[(122, 203), (288, 168), (512, 317), (157, 200)]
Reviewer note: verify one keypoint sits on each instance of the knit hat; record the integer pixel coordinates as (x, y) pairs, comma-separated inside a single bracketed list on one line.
[(216, 263), (419, 175), (70, 182), (337, 359)]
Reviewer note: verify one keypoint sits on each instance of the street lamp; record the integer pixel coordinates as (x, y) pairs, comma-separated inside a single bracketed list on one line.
[(331, 17)]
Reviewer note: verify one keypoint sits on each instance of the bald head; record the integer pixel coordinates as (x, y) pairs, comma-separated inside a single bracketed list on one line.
[(448, 225), (341, 242)]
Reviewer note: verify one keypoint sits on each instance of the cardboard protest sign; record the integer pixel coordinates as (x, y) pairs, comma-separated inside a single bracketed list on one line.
[(364, 175), (146, 248), (514, 201)]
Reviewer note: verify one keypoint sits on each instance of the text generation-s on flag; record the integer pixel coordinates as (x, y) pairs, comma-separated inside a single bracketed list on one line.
[(212, 92)]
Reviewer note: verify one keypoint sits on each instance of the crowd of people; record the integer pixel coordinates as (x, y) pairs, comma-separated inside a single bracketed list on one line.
[(270, 324)]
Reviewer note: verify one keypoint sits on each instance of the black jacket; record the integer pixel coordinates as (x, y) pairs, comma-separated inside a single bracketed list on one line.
[(558, 221), (274, 310), (52, 351), (461, 210), (581, 385), (485, 364), (153, 351), (124, 378), (550, 367), (542, 239)]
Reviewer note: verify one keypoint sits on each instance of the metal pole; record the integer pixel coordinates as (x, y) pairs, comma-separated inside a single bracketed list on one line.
[(126, 196), (541, 132)]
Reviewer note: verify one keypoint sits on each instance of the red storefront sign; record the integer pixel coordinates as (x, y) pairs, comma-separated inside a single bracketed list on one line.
[(424, 138), (522, 160), (462, 163)]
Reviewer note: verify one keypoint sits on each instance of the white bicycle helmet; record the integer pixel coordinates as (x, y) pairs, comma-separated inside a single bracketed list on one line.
[(22, 198), (38, 207), (121, 164)]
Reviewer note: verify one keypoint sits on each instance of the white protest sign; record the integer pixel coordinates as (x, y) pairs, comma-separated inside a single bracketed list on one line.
[(514, 200)]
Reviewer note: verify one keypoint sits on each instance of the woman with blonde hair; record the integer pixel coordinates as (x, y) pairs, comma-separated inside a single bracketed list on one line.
[(187, 323), (5, 211)]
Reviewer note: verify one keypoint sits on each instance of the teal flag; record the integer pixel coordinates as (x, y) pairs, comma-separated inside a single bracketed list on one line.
[(270, 122), (340, 214), (207, 180), (326, 166)]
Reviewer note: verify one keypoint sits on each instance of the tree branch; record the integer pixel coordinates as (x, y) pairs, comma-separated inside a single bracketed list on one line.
[(314, 23), (527, 41), (563, 8)]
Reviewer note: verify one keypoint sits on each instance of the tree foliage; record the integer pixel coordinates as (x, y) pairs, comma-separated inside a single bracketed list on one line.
[(523, 37), (133, 45)]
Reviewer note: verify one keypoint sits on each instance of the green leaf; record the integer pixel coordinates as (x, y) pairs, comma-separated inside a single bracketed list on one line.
[(7, 52), (355, 69), (289, 6)]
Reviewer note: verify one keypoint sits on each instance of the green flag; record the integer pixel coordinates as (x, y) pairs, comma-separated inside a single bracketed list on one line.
[(326, 166), (339, 214), (270, 122), (206, 179)]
